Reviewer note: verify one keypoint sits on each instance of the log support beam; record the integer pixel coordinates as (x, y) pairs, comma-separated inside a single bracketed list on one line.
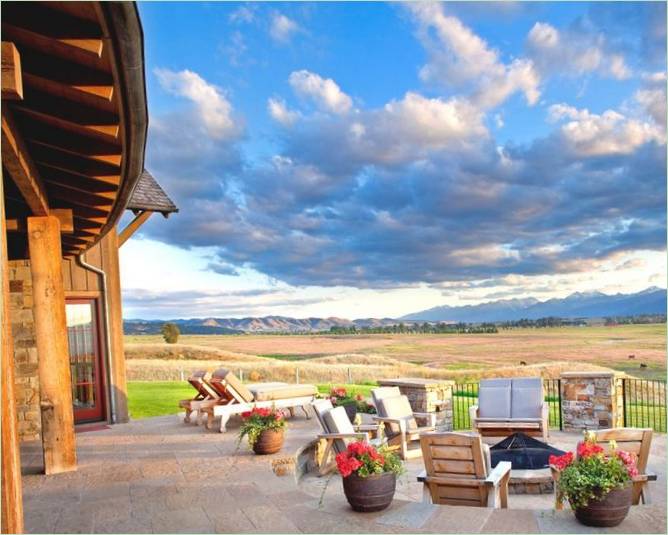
[(12, 80), (133, 226), (55, 382), (12, 497)]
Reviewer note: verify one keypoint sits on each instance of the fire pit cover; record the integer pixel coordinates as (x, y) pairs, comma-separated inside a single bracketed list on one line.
[(524, 452)]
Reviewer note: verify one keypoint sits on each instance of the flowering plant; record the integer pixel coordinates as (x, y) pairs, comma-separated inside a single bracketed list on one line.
[(593, 473), (260, 419), (340, 397), (365, 460)]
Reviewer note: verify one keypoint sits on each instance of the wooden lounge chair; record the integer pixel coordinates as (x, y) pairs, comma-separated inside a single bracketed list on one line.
[(243, 397), (457, 471), (205, 394), (628, 439), (507, 406), (338, 432), (401, 427)]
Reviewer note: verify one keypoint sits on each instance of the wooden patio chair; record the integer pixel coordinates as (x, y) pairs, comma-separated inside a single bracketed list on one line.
[(457, 471), (241, 398), (338, 432), (401, 427), (632, 440), (205, 394)]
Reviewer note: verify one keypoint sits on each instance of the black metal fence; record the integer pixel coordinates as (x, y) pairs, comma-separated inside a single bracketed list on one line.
[(644, 403), (464, 395)]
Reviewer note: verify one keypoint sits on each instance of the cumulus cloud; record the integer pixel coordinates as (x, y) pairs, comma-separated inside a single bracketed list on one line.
[(282, 28), (324, 92), (459, 58), (574, 51), (279, 111), (211, 105)]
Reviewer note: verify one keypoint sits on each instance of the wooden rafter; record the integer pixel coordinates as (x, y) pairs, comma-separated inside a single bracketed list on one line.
[(12, 80), (133, 226), (17, 161), (63, 215)]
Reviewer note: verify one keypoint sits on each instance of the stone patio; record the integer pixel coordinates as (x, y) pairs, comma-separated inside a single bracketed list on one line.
[(162, 476)]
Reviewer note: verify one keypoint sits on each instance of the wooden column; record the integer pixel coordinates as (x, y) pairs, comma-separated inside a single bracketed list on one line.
[(55, 380), (109, 245), (12, 496)]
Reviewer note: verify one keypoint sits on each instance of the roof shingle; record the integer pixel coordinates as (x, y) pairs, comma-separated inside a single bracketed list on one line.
[(148, 195)]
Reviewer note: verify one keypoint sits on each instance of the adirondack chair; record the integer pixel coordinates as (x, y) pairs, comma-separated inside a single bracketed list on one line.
[(457, 471), (507, 406), (628, 439), (338, 432), (401, 427), (205, 395)]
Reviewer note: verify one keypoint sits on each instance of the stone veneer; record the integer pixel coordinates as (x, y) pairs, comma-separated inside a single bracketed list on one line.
[(427, 395), (589, 400), (25, 350)]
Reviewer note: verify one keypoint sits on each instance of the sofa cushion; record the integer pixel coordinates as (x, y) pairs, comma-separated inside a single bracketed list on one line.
[(527, 382), (494, 399), (398, 407), (527, 402), (273, 393)]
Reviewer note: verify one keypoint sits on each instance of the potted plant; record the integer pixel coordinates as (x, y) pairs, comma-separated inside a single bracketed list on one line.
[(340, 397), (598, 485), (369, 476), (264, 428)]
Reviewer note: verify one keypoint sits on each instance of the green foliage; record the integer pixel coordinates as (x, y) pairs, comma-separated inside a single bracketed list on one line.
[(170, 332), (591, 478)]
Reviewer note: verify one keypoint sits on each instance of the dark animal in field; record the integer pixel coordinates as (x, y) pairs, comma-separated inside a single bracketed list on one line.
[(632, 356), (643, 365), (522, 363)]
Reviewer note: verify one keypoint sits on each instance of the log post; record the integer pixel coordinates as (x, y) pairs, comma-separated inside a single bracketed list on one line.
[(55, 381), (12, 497)]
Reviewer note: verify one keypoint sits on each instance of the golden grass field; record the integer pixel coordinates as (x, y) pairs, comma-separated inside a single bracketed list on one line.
[(323, 358)]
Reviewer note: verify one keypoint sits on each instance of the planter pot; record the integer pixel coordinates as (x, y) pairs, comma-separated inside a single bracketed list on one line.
[(608, 511), (269, 441), (373, 493), (351, 411)]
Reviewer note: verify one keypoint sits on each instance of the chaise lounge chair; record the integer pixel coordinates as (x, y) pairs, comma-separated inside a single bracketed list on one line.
[(458, 471), (507, 406), (243, 397), (401, 427), (206, 395), (338, 432), (628, 439)]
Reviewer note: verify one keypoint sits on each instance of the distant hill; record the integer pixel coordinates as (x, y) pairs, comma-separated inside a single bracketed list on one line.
[(577, 305), (267, 324)]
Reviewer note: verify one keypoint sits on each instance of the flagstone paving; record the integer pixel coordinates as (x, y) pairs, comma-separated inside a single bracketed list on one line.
[(162, 476)]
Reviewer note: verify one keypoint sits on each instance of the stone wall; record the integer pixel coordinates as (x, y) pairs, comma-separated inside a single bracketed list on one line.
[(427, 395), (589, 400), (25, 350)]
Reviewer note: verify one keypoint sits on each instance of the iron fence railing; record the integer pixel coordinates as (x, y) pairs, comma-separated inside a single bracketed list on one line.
[(464, 395), (644, 403)]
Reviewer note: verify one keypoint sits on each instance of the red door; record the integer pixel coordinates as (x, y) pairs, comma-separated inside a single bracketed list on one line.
[(85, 360)]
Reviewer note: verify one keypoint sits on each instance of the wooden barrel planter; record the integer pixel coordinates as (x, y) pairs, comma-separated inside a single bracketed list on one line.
[(609, 511), (373, 493), (268, 442)]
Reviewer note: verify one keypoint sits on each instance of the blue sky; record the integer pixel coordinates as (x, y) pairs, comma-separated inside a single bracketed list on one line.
[(369, 159)]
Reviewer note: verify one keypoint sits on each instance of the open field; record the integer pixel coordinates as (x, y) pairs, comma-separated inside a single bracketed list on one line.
[(459, 356)]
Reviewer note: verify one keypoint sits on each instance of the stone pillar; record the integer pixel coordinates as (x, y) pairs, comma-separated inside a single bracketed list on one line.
[(588, 400), (427, 395)]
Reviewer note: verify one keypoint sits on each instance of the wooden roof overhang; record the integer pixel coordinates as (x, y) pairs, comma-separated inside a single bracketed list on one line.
[(74, 116)]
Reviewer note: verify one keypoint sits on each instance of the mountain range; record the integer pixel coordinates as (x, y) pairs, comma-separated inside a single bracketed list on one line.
[(577, 305)]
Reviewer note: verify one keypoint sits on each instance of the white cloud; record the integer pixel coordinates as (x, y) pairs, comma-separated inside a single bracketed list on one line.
[(243, 14), (324, 92), (573, 52), (458, 57), (652, 97), (589, 134), (213, 108), (282, 28), (280, 112)]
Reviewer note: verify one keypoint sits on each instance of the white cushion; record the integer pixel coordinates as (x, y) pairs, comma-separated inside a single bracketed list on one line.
[(337, 421), (526, 402), (400, 408), (322, 406), (494, 401), (383, 392)]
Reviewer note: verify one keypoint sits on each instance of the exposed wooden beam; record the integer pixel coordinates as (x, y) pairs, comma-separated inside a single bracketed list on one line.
[(64, 216), (55, 382), (79, 198), (17, 161), (11, 520), (133, 225), (58, 159), (12, 81), (60, 175)]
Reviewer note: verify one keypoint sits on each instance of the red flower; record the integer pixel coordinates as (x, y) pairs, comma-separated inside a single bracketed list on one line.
[(588, 449), (347, 464), (562, 461), (246, 414), (359, 397), (629, 460)]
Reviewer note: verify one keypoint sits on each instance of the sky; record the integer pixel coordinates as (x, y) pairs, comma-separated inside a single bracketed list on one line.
[(373, 160)]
